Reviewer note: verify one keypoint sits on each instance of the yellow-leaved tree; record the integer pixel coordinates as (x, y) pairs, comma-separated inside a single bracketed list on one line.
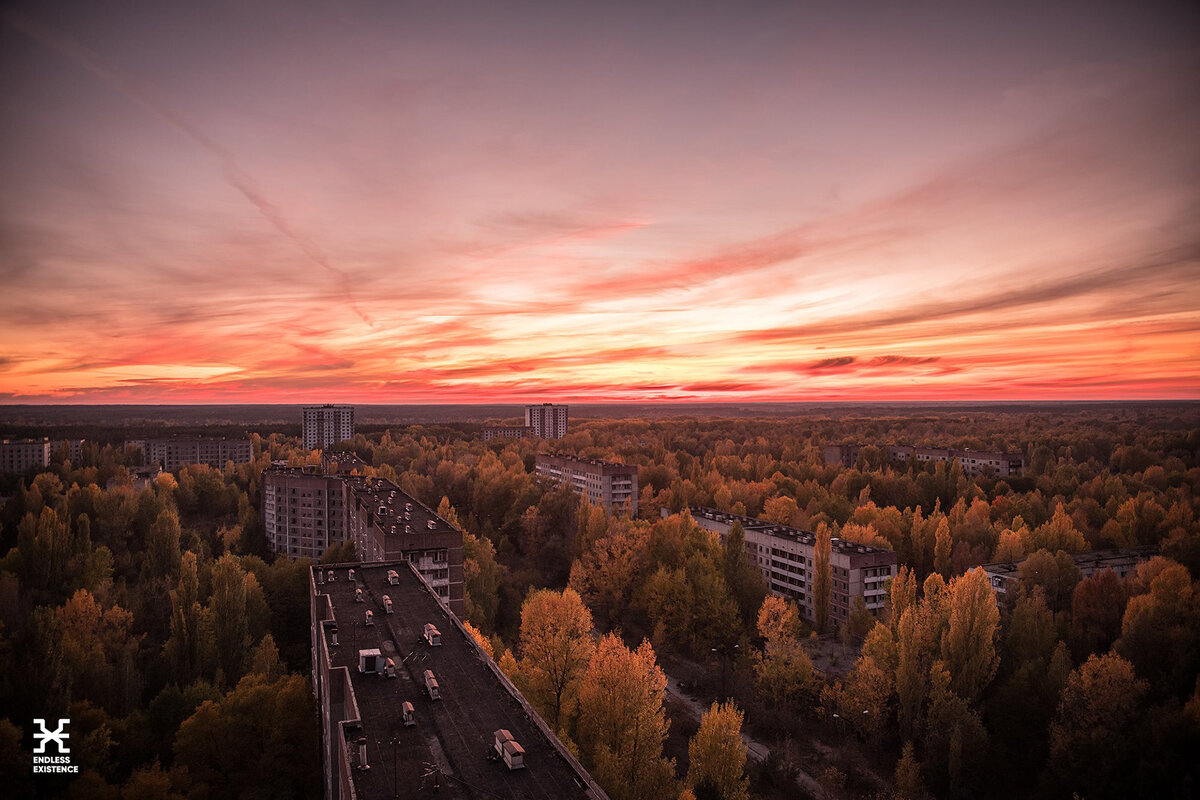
[(622, 724), (717, 755), (783, 672), (555, 647)]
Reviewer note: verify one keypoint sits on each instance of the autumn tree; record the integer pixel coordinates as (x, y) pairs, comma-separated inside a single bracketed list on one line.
[(1097, 607), (622, 724), (903, 595), (783, 671), (555, 647), (822, 577), (1160, 631), (941, 550), (1089, 746), (908, 775), (98, 651), (717, 755), (606, 576), (968, 645), (1059, 533), (1055, 573)]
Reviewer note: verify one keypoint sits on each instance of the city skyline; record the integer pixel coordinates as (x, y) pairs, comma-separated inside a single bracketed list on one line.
[(414, 203)]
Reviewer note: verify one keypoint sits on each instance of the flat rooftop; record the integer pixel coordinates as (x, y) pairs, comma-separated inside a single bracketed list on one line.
[(783, 531), (452, 735), (592, 462), (392, 506)]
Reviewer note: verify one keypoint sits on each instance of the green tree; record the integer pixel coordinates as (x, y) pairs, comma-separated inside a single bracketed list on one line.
[(222, 745), (183, 647), (237, 616), (743, 577), (955, 738), (162, 547)]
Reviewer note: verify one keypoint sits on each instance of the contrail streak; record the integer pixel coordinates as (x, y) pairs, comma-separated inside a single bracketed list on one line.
[(237, 177)]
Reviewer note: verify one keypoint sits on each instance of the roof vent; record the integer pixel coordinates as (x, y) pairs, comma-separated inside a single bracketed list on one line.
[(362, 754), (431, 524)]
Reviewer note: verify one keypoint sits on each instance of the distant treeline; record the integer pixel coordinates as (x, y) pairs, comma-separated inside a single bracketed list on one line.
[(42, 420)]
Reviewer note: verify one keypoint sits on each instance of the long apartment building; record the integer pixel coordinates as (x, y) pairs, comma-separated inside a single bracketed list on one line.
[(386, 524), (1006, 576), (974, 462), (785, 556), (491, 432), (603, 482), (326, 425), (175, 452), (411, 706), (21, 455), (547, 421)]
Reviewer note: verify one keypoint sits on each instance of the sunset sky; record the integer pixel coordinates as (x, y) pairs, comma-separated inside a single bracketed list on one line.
[(432, 201)]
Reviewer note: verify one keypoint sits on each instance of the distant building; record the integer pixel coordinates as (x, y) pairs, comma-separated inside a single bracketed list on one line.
[(303, 511), (507, 432), (785, 556), (602, 482), (1005, 576), (386, 524), (411, 706), (72, 449), (548, 421), (173, 453), (974, 462), (21, 455), (326, 425)]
